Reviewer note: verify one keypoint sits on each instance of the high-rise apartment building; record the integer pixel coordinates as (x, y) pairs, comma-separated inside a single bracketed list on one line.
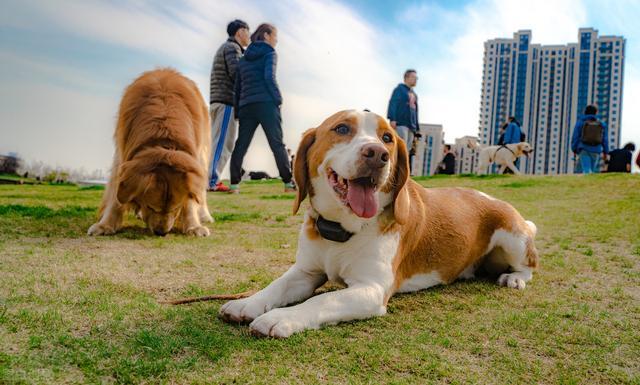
[(466, 154), (546, 88), (428, 150)]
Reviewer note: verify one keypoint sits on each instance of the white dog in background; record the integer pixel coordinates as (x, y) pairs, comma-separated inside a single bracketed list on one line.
[(504, 156)]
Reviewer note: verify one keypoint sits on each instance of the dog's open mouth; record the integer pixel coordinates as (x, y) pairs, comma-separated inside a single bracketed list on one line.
[(358, 194)]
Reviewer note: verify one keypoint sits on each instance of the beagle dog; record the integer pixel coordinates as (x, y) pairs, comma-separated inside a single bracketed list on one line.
[(372, 228)]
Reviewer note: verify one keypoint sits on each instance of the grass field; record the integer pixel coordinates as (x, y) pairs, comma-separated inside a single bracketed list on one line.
[(75, 309)]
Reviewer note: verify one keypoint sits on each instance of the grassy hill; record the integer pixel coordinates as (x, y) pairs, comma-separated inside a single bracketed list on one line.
[(75, 309)]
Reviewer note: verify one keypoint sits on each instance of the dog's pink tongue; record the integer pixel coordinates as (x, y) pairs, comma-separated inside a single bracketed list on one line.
[(362, 200)]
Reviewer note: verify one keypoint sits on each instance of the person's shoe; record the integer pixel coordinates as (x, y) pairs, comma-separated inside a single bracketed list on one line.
[(289, 187), (220, 187), (234, 189)]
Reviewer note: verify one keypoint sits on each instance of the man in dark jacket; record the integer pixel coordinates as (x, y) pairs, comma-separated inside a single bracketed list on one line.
[(448, 164), (403, 108), (257, 101), (224, 128), (590, 139), (620, 159)]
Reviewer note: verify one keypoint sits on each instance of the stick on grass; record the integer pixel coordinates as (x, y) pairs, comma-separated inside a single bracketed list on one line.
[(209, 298)]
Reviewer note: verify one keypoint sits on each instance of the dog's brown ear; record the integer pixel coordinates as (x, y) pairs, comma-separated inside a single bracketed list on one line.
[(301, 168), (400, 177), (129, 181), (191, 170), (196, 186)]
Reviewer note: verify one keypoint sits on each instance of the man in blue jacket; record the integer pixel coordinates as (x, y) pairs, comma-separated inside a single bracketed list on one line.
[(590, 139), (403, 108)]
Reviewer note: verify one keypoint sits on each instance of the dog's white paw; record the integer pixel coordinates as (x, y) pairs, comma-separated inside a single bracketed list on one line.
[(206, 218), (100, 229), (278, 323), (242, 310), (198, 231), (512, 280)]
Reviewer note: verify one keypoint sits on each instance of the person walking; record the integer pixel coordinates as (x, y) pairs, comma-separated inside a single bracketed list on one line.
[(403, 108), (590, 139), (222, 85), (257, 102), (501, 134), (620, 159)]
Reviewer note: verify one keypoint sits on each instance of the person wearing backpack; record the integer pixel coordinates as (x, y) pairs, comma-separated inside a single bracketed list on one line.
[(590, 139)]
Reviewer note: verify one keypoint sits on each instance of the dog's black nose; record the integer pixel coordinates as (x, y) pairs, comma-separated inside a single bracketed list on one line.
[(159, 232), (375, 155)]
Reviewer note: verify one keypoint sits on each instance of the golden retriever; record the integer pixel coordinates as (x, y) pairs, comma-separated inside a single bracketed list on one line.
[(160, 164)]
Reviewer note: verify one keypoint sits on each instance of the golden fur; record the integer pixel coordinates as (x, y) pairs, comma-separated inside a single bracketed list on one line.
[(160, 165)]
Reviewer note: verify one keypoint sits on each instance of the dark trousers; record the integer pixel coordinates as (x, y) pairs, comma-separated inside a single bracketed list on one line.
[(268, 116)]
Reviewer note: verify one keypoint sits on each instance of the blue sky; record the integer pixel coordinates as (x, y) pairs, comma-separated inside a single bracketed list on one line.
[(64, 64)]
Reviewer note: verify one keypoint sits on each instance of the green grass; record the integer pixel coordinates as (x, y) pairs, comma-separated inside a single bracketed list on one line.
[(77, 309)]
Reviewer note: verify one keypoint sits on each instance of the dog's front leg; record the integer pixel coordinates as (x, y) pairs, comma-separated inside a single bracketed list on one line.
[(513, 168), (356, 302), (112, 212), (191, 220), (203, 209), (293, 286)]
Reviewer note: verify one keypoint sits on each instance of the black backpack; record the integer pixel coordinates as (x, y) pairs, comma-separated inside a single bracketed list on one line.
[(592, 131)]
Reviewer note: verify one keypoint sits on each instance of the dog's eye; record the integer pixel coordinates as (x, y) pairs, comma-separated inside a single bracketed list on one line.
[(342, 130), (387, 138)]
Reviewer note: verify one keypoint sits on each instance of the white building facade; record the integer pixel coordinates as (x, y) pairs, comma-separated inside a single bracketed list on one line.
[(428, 150), (547, 88), (466, 155)]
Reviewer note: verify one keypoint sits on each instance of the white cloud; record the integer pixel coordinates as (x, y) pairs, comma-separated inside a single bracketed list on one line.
[(328, 60), (452, 81)]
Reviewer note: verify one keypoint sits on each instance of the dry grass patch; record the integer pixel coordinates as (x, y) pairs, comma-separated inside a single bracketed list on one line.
[(77, 309)]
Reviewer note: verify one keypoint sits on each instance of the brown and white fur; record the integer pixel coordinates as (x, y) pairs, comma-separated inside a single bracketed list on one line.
[(415, 239), (160, 164), (504, 157)]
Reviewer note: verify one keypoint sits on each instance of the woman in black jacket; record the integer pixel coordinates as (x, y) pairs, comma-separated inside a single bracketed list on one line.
[(257, 101)]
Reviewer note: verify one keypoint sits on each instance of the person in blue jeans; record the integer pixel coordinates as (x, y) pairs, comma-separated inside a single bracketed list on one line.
[(513, 133), (403, 108), (590, 140)]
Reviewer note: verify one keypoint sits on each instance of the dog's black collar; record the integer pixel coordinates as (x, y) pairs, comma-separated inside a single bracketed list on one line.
[(332, 231)]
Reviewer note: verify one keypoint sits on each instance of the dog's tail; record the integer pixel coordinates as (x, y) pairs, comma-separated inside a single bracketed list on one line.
[(209, 298), (532, 227)]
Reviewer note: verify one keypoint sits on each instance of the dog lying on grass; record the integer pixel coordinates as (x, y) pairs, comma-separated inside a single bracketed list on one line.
[(372, 228), (160, 164)]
